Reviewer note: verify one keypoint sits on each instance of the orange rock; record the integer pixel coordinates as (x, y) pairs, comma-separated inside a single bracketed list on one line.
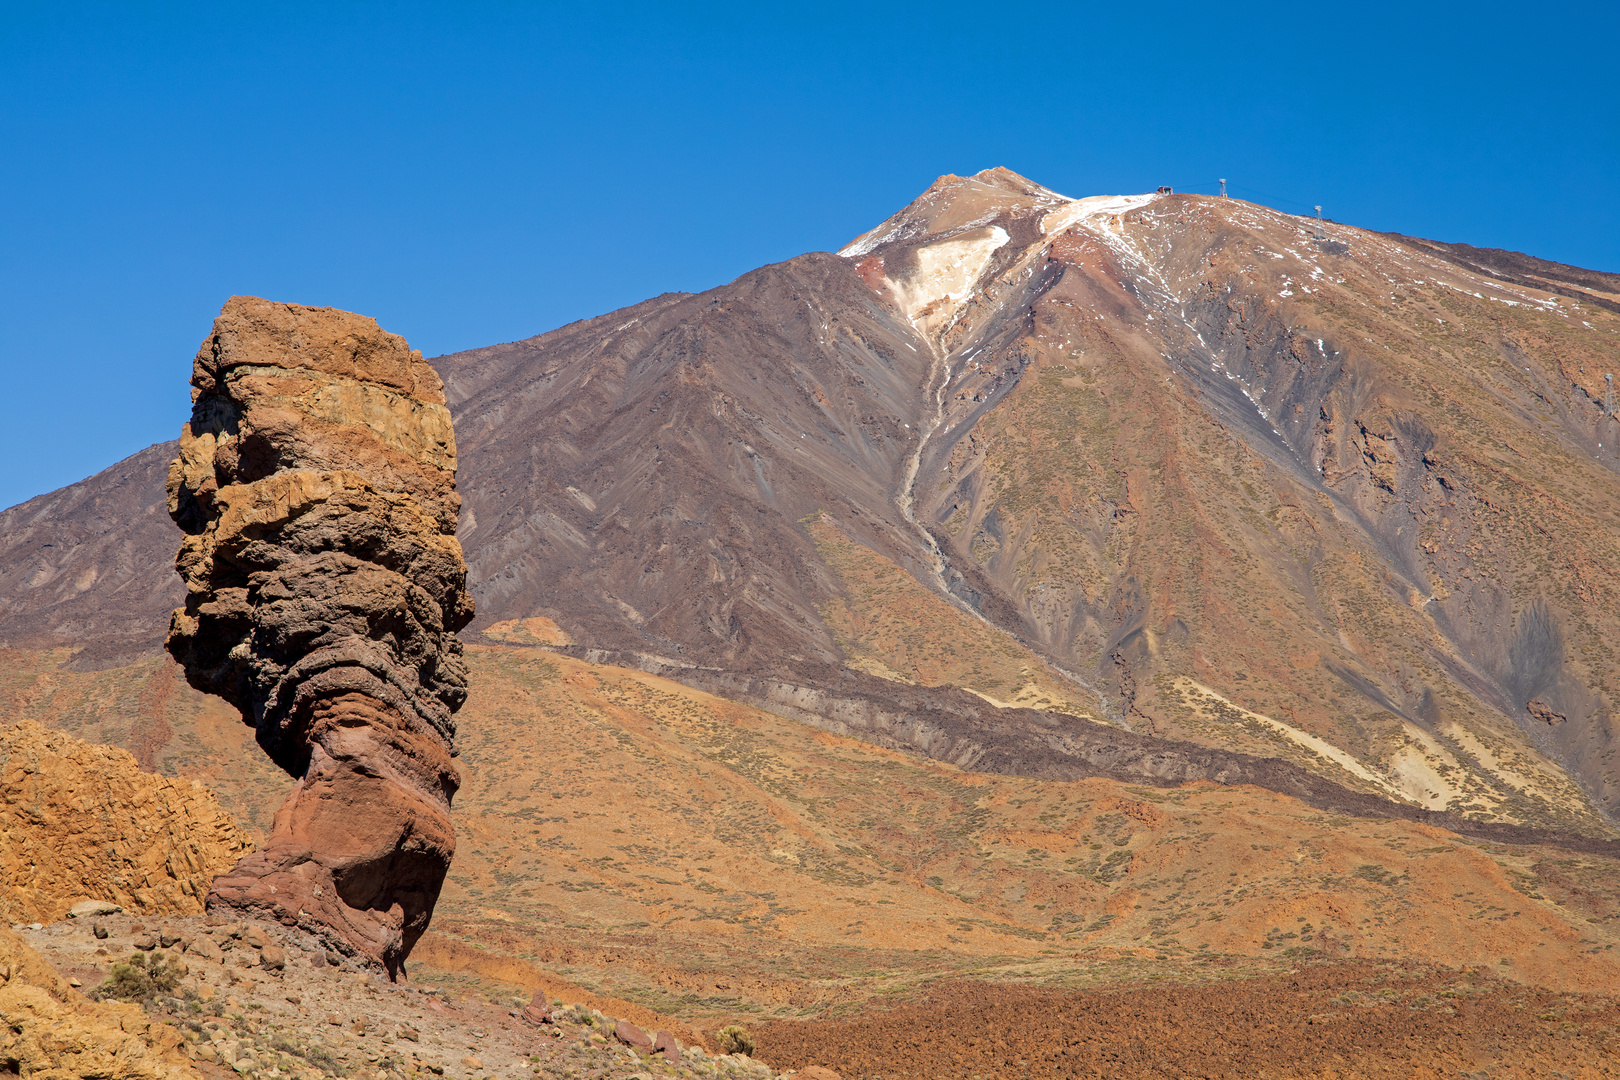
[(80, 821)]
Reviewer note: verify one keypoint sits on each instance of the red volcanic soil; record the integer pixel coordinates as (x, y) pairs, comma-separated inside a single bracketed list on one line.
[(1358, 1019)]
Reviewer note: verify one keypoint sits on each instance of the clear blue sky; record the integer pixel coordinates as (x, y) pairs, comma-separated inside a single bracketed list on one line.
[(473, 173)]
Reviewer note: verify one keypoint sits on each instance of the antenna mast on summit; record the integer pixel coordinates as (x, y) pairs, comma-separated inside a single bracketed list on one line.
[(1319, 233), (1223, 187), (1608, 395)]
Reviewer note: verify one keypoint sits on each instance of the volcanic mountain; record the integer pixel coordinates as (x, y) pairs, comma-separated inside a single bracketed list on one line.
[(1161, 486)]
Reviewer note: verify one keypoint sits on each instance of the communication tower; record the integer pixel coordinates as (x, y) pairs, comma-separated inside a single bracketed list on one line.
[(1608, 395), (1319, 234), (1223, 187)]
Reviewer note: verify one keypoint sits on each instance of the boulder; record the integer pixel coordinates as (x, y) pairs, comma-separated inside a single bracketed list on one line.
[(204, 947), (538, 1010), (1545, 712), (87, 908), (665, 1043), (273, 958), (632, 1036), (316, 486)]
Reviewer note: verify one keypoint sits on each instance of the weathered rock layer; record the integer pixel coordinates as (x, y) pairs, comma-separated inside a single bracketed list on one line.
[(79, 821), (316, 481)]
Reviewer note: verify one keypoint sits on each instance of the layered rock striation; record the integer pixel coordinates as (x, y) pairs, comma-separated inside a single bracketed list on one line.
[(324, 587)]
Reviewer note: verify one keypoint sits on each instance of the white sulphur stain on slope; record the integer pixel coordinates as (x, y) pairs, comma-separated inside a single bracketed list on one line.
[(1535, 779), (1422, 770), (1191, 691), (1097, 214), (1431, 775), (1420, 767), (895, 228), (945, 277)]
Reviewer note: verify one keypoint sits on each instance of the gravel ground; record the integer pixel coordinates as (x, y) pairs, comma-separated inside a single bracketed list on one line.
[(258, 1000)]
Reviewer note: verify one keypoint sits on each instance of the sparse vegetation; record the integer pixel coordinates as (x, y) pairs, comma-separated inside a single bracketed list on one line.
[(735, 1039), (138, 979)]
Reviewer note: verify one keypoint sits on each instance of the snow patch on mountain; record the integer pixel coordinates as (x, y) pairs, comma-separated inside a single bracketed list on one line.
[(895, 228), (1073, 213)]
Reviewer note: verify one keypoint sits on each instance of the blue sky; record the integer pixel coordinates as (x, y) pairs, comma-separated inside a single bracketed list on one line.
[(472, 173)]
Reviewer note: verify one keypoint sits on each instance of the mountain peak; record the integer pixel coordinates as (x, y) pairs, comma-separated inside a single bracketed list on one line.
[(952, 203), (931, 258), (1003, 177)]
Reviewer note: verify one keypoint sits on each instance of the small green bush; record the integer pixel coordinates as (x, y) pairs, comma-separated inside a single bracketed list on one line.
[(734, 1039), (137, 980), (314, 1053)]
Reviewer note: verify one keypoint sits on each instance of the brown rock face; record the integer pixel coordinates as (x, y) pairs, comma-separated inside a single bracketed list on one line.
[(316, 481), (538, 1010), (1544, 712)]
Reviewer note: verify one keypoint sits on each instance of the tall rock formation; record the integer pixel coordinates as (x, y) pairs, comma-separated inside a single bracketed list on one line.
[(316, 483)]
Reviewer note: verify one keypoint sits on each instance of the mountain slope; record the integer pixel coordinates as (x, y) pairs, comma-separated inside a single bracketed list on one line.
[(642, 477), (1188, 457), (92, 564), (1335, 480)]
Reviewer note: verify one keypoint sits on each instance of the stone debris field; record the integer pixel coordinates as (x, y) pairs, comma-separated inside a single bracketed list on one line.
[(258, 1000)]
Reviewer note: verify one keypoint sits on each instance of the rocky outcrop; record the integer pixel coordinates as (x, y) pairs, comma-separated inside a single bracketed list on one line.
[(83, 829), (316, 482), (82, 822), (1544, 712)]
